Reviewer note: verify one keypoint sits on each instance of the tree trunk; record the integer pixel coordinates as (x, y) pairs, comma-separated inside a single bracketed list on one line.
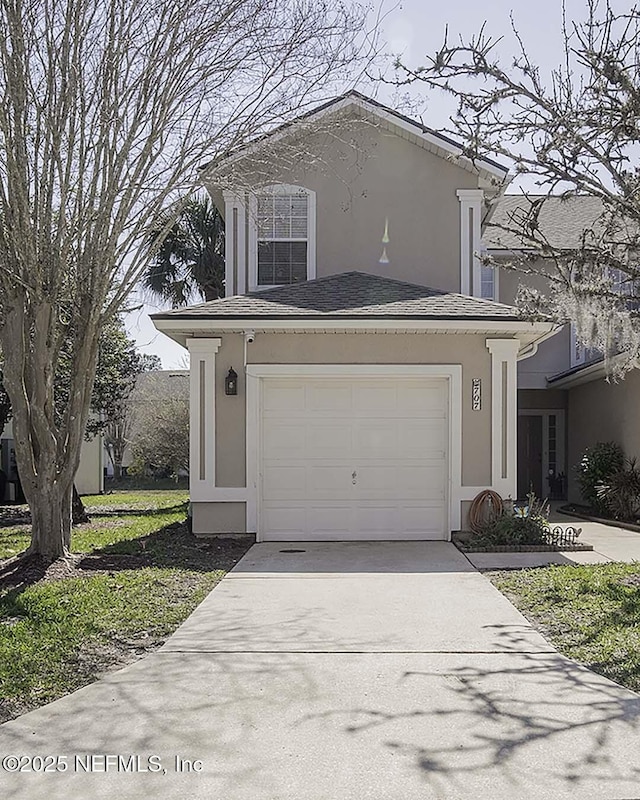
[(78, 513), (50, 513), (118, 453)]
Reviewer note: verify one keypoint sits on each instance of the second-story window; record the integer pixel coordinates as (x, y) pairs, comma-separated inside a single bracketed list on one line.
[(284, 230), (487, 282)]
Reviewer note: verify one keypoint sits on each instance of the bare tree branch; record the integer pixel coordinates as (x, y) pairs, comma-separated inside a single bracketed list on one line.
[(106, 112)]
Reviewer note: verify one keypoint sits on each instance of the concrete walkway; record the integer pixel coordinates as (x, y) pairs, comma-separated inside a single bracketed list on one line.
[(343, 672), (610, 543)]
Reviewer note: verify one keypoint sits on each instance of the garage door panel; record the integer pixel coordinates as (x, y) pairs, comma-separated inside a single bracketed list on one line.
[(393, 434), (328, 396), (330, 519), (427, 399), (285, 440), (329, 440), (423, 438), (282, 396), (375, 438), (297, 440), (372, 397), (422, 521), (282, 520), (323, 479), (399, 438), (284, 481)]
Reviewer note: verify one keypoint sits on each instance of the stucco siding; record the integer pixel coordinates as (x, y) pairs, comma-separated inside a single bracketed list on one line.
[(554, 354), (542, 399), (356, 348), (553, 357), (602, 412), (212, 518), (368, 178), (230, 415)]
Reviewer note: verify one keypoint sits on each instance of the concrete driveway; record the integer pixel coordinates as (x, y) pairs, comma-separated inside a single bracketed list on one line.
[(346, 671)]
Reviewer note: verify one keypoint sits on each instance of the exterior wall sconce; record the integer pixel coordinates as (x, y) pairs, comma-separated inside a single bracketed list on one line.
[(231, 382)]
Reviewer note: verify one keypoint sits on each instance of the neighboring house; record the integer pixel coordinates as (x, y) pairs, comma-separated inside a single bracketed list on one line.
[(150, 387), (376, 374), (89, 477), (565, 403)]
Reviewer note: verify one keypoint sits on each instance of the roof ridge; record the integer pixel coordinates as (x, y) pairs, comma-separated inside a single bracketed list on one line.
[(339, 275)]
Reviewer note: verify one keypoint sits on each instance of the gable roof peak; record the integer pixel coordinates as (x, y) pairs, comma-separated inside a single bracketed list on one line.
[(431, 139)]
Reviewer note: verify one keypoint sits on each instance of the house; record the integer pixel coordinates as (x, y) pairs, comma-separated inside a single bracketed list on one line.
[(89, 477), (359, 380), (565, 402), (152, 390)]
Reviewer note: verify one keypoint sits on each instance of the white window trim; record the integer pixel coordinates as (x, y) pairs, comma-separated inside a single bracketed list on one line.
[(280, 188), (496, 279)]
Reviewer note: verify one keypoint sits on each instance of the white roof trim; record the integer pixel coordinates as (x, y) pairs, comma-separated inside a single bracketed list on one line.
[(180, 330)]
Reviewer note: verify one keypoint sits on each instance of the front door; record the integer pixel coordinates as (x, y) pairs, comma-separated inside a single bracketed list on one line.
[(529, 456), (541, 466)]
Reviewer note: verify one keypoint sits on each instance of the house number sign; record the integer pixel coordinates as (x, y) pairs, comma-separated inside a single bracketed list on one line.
[(476, 394)]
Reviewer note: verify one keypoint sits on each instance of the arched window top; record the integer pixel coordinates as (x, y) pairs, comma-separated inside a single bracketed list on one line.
[(283, 188)]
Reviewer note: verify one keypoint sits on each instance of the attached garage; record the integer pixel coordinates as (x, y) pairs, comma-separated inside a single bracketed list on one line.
[(344, 458), (361, 408)]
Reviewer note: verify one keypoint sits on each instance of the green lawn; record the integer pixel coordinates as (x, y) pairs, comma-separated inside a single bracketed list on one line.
[(590, 613), (136, 574), (113, 519)]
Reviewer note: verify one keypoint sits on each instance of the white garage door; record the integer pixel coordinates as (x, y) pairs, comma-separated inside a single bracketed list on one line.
[(346, 458)]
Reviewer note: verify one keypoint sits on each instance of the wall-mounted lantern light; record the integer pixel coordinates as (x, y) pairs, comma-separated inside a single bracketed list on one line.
[(231, 382)]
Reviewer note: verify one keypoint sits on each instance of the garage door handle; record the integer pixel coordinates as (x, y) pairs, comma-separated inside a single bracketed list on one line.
[(354, 476)]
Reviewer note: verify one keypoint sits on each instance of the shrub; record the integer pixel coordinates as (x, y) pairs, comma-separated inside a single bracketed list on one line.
[(595, 469), (621, 492), (528, 525)]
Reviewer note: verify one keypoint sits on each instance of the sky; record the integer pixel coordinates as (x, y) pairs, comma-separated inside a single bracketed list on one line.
[(413, 29)]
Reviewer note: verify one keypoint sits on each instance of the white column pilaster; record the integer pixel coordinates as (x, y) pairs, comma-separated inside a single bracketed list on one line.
[(202, 428), (504, 415), (234, 243), (470, 240)]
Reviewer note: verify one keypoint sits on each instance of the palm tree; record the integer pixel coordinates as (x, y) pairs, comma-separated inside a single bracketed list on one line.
[(190, 258)]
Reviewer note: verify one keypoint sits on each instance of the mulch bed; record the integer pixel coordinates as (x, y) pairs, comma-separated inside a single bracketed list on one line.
[(174, 546), (14, 515), (524, 548)]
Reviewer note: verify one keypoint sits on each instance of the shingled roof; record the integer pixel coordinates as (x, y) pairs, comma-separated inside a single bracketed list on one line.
[(562, 220), (348, 295)]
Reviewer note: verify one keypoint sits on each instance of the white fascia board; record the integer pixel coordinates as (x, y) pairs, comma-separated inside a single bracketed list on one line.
[(195, 325), (182, 330), (446, 147)]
